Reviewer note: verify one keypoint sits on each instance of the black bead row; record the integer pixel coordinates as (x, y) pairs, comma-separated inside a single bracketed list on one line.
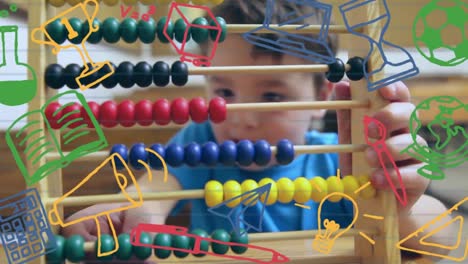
[(337, 70), (126, 75)]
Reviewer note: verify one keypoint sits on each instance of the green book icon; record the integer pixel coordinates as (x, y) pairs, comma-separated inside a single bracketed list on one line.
[(32, 146)]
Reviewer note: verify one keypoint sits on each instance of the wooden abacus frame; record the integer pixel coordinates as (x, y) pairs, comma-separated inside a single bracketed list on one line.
[(386, 231)]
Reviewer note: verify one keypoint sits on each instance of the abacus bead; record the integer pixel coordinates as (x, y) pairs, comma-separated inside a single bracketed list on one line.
[(356, 71), (335, 185), (336, 71), (73, 113), (130, 2), (241, 238), (128, 30), (110, 30), (199, 2), (214, 32), (57, 31), (192, 154), (217, 110), (54, 76), (247, 186), (284, 152), (228, 153), (147, 30), (368, 192), (169, 30), (143, 252), (286, 190), (200, 32), (56, 3), (96, 36), (245, 152), (143, 74), (262, 152), (53, 114), (70, 73), (75, 23), (111, 80), (144, 113), (220, 235), (87, 118), (174, 155), (213, 193), (126, 113), (163, 240), (108, 114), (154, 161), (179, 73), (138, 152), (124, 74), (273, 195), (125, 247), (162, 112), (319, 189), (161, 73), (216, 2), (57, 256), (180, 111), (74, 248), (180, 30), (350, 185), (232, 189), (110, 2), (302, 190), (107, 244), (204, 244), (198, 110), (148, 2), (182, 242), (122, 150), (73, 2), (91, 78), (210, 154)]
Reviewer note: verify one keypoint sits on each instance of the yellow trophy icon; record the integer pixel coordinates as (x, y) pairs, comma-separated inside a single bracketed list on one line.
[(90, 67)]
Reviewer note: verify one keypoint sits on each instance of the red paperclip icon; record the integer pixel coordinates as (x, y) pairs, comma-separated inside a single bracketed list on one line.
[(382, 151)]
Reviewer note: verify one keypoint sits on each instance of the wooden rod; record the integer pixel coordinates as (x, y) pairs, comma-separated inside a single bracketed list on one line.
[(299, 149), (275, 236), (297, 29), (291, 106), (266, 69)]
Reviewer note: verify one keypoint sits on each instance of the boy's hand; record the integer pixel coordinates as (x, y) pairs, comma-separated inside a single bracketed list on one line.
[(122, 221), (395, 117)]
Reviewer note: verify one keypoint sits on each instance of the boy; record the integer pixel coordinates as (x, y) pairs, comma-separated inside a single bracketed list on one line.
[(272, 127)]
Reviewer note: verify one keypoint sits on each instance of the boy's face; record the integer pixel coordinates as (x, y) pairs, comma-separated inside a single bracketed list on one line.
[(255, 88)]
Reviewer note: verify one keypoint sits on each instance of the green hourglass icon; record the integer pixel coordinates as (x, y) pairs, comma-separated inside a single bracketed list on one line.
[(397, 69), (14, 91)]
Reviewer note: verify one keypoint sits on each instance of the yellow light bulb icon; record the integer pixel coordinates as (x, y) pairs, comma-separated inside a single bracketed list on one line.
[(325, 239)]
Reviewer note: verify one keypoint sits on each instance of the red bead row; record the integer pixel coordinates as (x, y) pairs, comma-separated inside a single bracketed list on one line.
[(127, 113)]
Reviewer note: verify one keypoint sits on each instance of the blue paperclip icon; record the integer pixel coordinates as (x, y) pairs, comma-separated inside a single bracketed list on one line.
[(294, 44), (406, 68)]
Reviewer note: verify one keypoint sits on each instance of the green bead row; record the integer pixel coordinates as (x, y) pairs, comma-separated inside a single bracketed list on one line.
[(73, 250), (130, 30)]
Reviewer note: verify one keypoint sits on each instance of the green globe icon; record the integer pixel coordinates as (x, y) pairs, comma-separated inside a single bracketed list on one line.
[(445, 131), (442, 26)]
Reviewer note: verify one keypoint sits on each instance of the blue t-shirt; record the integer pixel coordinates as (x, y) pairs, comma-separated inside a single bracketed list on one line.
[(276, 217)]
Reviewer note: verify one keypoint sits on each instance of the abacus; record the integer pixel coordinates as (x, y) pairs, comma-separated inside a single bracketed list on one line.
[(383, 232)]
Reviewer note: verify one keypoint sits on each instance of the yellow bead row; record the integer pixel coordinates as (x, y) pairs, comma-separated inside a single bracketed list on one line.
[(59, 3), (286, 190)]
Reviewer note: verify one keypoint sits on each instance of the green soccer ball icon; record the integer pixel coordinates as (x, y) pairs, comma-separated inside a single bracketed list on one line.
[(442, 26)]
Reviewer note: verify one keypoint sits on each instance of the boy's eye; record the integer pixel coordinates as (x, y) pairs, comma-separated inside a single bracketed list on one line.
[(225, 93), (273, 97)]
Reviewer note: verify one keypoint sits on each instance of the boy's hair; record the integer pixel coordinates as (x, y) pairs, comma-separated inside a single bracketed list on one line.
[(254, 11)]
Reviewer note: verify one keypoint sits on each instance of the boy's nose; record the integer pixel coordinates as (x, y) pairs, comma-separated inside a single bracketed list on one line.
[(244, 119)]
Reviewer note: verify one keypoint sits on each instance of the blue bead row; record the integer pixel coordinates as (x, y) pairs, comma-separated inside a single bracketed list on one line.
[(244, 153)]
